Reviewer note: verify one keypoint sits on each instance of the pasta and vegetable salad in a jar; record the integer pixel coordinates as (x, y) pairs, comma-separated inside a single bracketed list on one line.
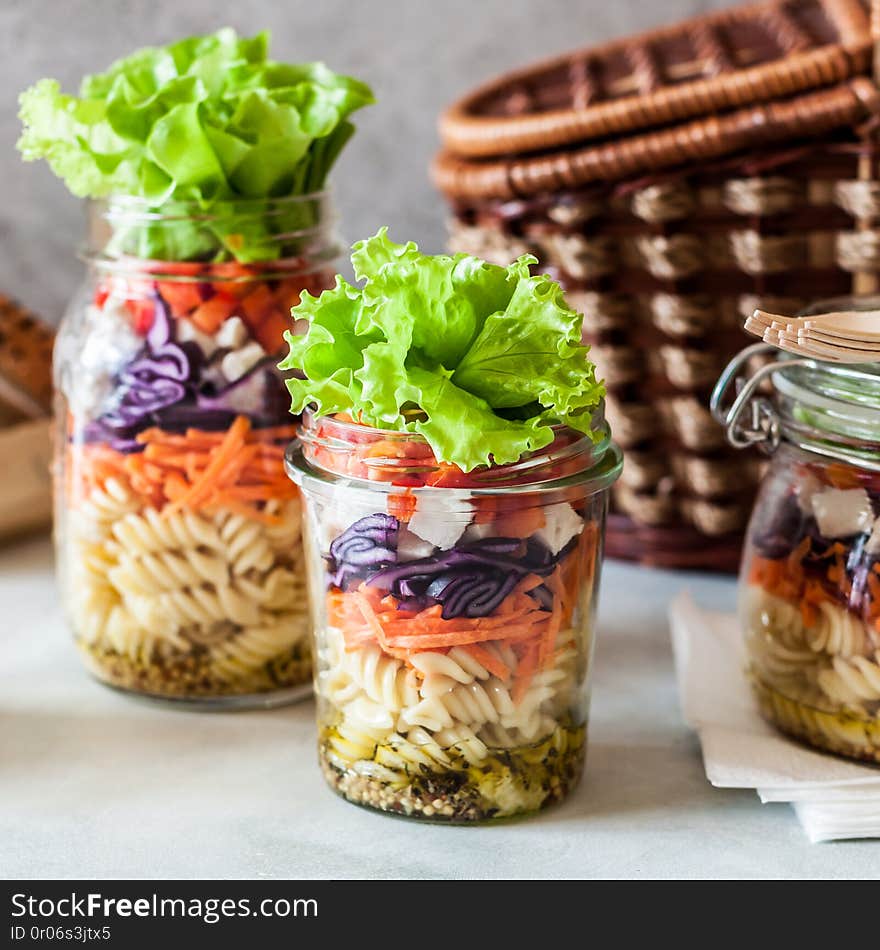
[(178, 532), (810, 580), (455, 465)]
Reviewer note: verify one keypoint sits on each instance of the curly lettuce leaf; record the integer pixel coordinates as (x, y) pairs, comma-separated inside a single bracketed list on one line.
[(526, 354), (481, 360), (209, 120)]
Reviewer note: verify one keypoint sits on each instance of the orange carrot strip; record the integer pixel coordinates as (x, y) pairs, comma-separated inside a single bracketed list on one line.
[(529, 582), (422, 624), (224, 454), (459, 637), (548, 643), (270, 433), (363, 601)]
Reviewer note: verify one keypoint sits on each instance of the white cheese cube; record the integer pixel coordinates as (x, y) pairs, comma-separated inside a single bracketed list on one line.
[(476, 532), (841, 513), (238, 362), (562, 524), (807, 486), (232, 335), (441, 521), (188, 332), (410, 547)]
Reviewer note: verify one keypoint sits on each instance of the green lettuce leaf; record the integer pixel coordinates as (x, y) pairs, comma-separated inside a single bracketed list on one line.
[(481, 360), (208, 120), (526, 353)]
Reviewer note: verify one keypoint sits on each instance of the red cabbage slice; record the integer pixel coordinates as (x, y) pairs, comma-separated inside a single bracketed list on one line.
[(160, 331), (367, 546)]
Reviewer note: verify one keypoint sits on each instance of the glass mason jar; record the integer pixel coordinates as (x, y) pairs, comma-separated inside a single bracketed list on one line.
[(453, 617), (810, 579), (177, 530)]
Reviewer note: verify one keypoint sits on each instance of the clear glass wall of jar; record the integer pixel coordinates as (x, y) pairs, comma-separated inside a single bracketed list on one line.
[(177, 531), (453, 617), (810, 580)]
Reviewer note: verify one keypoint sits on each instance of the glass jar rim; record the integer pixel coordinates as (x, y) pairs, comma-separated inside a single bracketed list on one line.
[(284, 236), (175, 209), (603, 461)]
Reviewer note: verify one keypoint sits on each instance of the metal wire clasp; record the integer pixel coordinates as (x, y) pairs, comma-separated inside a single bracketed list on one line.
[(750, 419)]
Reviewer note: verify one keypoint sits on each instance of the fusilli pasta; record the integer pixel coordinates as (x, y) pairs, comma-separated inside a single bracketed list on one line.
[(213, 590)]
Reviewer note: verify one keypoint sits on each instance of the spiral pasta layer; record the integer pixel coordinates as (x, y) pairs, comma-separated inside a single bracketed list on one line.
[(448, 696), (200, 602), (824, 662)]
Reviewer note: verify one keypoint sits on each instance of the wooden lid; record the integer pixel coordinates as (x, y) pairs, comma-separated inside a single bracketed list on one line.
[(704, 89), (705, 65)]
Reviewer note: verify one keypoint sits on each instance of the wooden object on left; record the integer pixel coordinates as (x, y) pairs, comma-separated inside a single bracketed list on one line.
[(25, 420)]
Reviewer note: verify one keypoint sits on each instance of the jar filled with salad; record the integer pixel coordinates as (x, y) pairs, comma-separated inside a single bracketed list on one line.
[(810, 579), (455, 465), (177, 531)]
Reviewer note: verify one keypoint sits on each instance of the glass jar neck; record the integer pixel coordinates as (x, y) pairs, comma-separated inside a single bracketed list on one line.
[(283, 235), (832, 409), (337, 447)]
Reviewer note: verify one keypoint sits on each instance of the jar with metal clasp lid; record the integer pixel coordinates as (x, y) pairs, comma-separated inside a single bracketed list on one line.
[(810, 578)]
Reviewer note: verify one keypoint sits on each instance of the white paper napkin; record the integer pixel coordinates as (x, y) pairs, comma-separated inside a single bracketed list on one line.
[(833, 797)]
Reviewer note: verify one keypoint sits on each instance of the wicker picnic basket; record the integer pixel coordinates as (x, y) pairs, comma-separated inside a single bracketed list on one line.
[(673, 182)]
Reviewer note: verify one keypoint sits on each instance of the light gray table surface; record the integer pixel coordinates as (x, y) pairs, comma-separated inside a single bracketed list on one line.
[(94, 784)]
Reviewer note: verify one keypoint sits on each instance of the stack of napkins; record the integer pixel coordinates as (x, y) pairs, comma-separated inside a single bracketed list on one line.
[(833, 797)]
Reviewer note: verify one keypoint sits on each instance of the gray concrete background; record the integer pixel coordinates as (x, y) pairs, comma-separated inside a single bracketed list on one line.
[(417, 54)]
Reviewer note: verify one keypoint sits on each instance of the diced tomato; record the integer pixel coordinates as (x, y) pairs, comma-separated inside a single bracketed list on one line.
[(406, 481), (841, 476), (270, 332), (101, 295), (289, 291), (182, 296), (210, 315), (520, 522), (233, 289), (402, 506), (256, 307), (447, 476), (486, 509), (142, 314)]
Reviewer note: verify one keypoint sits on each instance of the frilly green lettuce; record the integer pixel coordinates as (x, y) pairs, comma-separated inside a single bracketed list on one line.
[(488, 358), (209, 120)]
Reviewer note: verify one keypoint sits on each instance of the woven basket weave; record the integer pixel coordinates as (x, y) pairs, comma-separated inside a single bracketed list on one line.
[(673, 182)]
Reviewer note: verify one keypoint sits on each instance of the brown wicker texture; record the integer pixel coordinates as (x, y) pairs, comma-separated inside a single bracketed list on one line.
[(673, 182), (25, 364)]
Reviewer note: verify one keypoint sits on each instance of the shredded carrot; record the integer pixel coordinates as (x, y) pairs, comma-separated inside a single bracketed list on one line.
[(547, 644), (240, 468), (232, 442), (369, 616), (529, 582)]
